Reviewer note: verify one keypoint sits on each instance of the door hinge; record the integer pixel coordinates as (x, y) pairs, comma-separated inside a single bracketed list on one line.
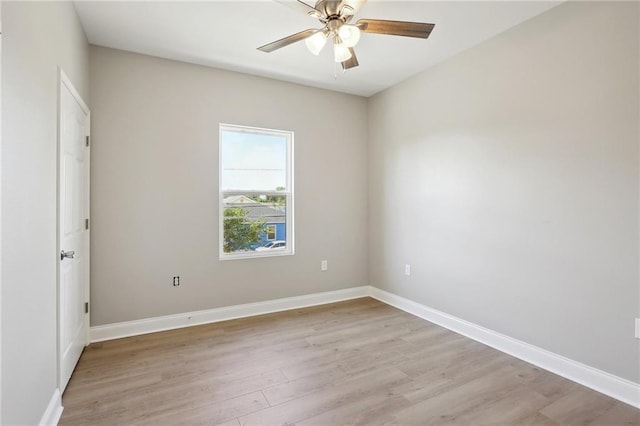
[(86, 224), (87, 140), (86, 307)]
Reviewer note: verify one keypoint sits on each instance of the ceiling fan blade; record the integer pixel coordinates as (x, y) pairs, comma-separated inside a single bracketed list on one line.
[(399, 28), (278, 44), (352, 62), (301, 6)]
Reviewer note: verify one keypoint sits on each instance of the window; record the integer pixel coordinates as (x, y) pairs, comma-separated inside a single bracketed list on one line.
[(271, 232), (256, 192)]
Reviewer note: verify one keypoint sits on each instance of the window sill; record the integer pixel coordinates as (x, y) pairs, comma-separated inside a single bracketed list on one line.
[(254, 254)]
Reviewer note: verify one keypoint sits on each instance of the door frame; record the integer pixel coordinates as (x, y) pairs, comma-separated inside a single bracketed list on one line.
[(0, 208), (65, 82)]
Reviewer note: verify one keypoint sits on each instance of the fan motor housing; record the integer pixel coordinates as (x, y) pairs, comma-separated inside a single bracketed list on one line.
[(330, 8)]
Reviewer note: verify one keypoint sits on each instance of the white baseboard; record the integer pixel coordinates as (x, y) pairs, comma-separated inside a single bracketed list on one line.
[(169, 322), (601, 381), (52, 414)]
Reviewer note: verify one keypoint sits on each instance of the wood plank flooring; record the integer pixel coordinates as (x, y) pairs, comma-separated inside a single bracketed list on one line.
[(356, 362)]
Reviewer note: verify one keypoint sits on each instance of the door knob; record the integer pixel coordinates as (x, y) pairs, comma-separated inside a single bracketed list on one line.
[(67, 254)]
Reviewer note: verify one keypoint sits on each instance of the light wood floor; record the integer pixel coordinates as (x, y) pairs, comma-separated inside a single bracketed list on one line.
[(355, 362)]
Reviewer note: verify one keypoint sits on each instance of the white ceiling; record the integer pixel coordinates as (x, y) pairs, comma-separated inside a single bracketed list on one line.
[(225, 34)]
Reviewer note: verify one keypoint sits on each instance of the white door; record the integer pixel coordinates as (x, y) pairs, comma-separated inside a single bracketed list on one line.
[(73, 214)]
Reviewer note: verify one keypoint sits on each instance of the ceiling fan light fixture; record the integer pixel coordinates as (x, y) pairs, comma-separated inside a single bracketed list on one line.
[(341, 52), (349, 34), (316, 42)]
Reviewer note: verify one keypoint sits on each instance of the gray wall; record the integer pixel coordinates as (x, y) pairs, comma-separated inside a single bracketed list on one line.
[(37, 38), (154, 180), (508, 177)]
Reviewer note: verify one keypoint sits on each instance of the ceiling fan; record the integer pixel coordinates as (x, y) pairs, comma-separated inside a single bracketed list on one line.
[(335, 16)]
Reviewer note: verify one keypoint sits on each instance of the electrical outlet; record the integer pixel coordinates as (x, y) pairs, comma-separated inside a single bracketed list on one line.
[(323, 265), (176, 281), (637, 328), (407, 270)]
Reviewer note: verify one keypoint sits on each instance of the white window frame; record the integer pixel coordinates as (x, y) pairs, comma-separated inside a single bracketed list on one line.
[(287, 193)]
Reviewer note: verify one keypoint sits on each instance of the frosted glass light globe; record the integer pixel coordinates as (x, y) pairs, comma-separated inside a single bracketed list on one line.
[(349, 34), (316, 42), (341, 52)]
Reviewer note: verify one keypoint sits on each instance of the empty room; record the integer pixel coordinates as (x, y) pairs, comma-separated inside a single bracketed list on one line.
[(284, 212)]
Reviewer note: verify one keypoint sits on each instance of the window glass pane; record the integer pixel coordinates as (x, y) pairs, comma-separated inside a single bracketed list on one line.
[(254, 222), (256, 171), (253, 161)]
